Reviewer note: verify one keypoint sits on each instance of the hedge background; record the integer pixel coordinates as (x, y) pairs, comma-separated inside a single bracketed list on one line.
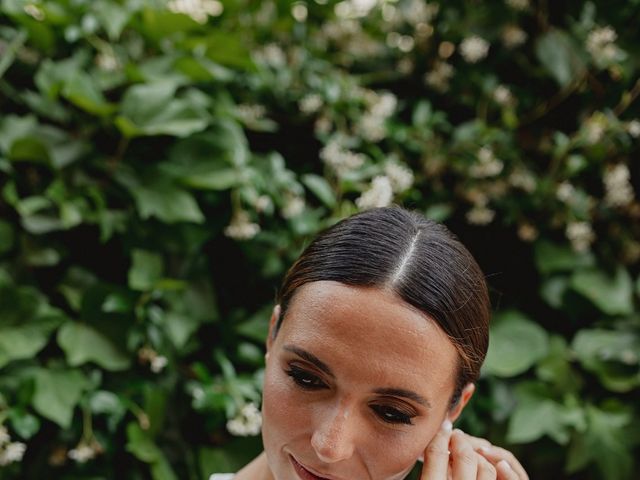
[(162, 163)]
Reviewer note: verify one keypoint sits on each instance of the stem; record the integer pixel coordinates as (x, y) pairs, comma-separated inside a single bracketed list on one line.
[(627, 99)]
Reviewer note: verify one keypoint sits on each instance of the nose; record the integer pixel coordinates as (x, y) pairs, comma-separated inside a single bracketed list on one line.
[(333, 437)]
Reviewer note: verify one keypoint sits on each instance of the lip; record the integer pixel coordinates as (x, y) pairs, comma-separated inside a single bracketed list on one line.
[(305, 473)]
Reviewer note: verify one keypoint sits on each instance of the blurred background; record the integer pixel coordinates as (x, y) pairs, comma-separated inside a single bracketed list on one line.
[(162, 163)]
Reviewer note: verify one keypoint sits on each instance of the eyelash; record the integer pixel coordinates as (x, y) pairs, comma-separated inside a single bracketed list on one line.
[(308, 381)]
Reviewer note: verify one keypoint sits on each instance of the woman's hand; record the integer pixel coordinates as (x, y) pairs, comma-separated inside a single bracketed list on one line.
[(454, 455)]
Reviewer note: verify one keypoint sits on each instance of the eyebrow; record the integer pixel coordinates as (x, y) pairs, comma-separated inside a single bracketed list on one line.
[(396, 392)]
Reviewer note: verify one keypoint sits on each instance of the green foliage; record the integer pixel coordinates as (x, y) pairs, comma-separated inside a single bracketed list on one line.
[(161, 167)]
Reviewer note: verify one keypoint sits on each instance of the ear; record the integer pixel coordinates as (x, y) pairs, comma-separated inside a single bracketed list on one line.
[(465, 396), (275, 315)]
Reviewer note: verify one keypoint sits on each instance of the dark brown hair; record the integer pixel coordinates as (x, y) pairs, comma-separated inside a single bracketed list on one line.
[(416, 258)]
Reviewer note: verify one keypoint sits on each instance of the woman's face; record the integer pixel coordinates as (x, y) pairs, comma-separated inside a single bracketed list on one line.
[(357, 383)]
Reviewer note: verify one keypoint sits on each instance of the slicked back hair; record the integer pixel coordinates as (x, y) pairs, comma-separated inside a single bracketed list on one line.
[(416, 258)]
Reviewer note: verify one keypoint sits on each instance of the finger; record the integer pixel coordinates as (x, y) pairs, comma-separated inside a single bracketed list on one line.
[(436, 455), (505, 472), (496, 454), (464, 459), (486, 471), (477, 443)]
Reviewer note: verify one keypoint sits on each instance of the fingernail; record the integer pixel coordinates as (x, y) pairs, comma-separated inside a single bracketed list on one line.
[(447, 426), (504, 465), (485, 449)]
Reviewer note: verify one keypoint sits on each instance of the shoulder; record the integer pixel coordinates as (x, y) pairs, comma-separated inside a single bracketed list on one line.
[(221, 476)]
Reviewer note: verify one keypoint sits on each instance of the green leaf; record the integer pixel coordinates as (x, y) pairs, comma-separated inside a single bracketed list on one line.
[(222, 179), (145, 271), (25, 424), (614, 356), (81, 90), (612, 295), (516, 344), (553, 289), (553, 258), (560, 56), (605, 442), (537, 414), (179, 327), (167, 203), (112, 16), (320, 188), (141, 445), (6, 237), (82, 344), (57, 392)]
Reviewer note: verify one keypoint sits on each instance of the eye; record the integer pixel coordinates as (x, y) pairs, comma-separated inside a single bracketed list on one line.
[(392, 415), (305, 379)]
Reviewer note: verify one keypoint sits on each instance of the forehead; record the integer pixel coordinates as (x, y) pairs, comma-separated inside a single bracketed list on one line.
[(371, 334)]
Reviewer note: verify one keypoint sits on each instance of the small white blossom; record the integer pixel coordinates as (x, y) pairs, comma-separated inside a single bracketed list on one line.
[(595, 127), (355, 8), (416, 12), (250, 113), (107, 61), (34, 11), (323, 125), (12, 452), (474, 48), (300, 12), (310, 103), (527, 232), (633, 128), (4, 435), (487, 165), (247, 423), (241, 228), (618, 189), (503, 96), (480, 215), (83, 453), (263, 203), (518, 4), (197, 393), (293, 206), (401, 177), (158, 363), (272, 55), (513, 36), (198, 10), (372, 123), (339, 159), (439, 76), (601, 46), (523, 179), (379, 194), (581, 235), (565, 192)]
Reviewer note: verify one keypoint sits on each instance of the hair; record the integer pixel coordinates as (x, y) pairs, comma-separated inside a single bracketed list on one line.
[(416, 258)]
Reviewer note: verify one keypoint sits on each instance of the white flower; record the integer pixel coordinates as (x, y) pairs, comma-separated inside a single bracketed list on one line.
[(523, 179), (618, 189), (299, 11), (34, 11), (272, 55), (513, 36), (633, 128), (503, 96), (250, 113), (322, 126), (355, 8), (581, 235), (601, 46), (263, 203), (480, 215), (401, 177), (419, 11), (527, 232), (339, 159), (198, 10), (247, 423), (518, 4), (12, 452), (82, 453), (158, 363), (595, 127), (4, 435), (487, 166), (372, 123), (107, 61), (473, 49), (293, 206), (565, 192), (241, 228), (379, 194), (310, 103), (438, 77)]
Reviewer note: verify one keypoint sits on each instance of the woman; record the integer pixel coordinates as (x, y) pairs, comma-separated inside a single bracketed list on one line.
[(374, 346)]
